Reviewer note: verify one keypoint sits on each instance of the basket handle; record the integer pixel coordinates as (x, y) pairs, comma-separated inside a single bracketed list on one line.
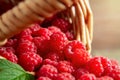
[(28, 12), (82, 20)]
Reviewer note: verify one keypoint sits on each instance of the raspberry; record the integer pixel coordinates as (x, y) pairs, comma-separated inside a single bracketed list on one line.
[(65, 76), (115, 73), (95, 66), (58, 41), (73, 46), (87, 77), (25, 32), (50, 62), (34, 27), (114, 62), (25, 38), (105, 78), (107, 65), (8, 53), (11, 43), (102, 64), (26, 46), (70, 35), (47, 71), (55, 56), (65, 66), (43, 32), (44, 78), (79, 72), (30, 61), (105, 62), (54, 29), (42, 44), (61, 23), (80, 58), (76, 53)]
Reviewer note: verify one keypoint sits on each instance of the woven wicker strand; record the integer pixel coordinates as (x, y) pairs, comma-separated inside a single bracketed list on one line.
[(82, 20), (27, 12)]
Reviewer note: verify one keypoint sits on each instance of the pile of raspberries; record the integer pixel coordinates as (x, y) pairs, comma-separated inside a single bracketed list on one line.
[(51, 51)]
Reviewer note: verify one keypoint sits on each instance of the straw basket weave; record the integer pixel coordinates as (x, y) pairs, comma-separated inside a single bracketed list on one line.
[(29, 11)]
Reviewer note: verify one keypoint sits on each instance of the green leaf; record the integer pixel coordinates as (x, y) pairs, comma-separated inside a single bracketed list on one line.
[(12, 71)]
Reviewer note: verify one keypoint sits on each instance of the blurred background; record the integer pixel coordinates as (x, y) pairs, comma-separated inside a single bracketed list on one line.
[(106, 41)]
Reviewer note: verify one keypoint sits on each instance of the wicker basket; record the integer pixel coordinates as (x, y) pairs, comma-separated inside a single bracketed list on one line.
[(29, 11)]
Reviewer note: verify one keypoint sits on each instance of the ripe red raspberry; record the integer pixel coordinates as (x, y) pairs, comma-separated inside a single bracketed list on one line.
[(87, 77), (70, 35), (61, 23), (79, 72), (55, 56), (58, 41), (115, 70), (42, 45), (43, 32), (114, 62), (65, 66), (34, 27), (25, 32), (105, 78), (107, 65), (50, 62), (8, 53), (76, 53), (44, 78), (65, 76), (54, 29), (25, 38), (103, 65), (73, 46), (95, 66), (30, 61), (47, 71), (115, 73), (80, 58), (26, 46), (11, 43)]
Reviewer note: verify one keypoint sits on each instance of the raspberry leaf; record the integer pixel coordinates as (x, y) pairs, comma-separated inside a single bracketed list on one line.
[(12, 71)]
